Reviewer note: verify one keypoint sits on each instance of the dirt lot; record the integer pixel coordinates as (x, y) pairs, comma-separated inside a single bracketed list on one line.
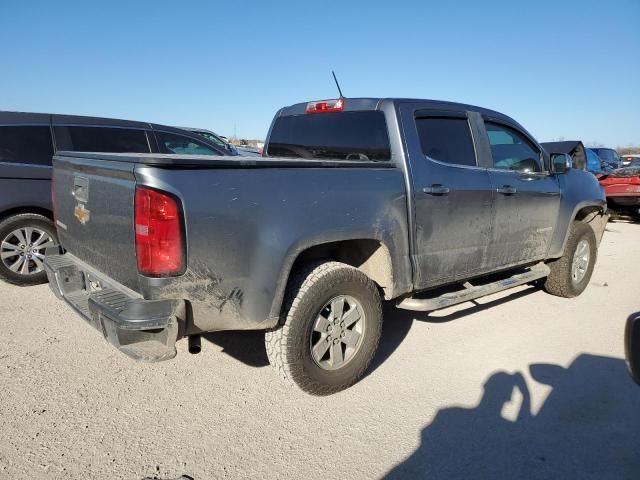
[(521, 385)]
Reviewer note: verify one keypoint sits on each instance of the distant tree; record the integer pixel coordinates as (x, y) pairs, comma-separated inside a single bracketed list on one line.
[(627, 150)]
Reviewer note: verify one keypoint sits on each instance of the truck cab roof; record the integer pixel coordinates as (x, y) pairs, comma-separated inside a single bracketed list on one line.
[(391, 107), (372, 103)]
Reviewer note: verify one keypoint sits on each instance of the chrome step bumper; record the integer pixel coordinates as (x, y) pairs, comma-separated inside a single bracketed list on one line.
[(471, 292), (142, 329)]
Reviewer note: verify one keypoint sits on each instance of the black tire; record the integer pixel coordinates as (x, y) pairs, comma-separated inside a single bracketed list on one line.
[(289, 344), (20, 221), (560, 281)]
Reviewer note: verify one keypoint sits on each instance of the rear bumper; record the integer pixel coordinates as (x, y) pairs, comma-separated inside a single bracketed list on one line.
[(142, 329), (623, 193)]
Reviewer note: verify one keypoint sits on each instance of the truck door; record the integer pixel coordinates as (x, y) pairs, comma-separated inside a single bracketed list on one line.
[(452, 196), (527, 197)]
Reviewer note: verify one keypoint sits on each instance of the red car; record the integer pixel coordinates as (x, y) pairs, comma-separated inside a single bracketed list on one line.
[(622, 188)]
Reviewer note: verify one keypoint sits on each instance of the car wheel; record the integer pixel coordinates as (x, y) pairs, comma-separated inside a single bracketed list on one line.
[(23, 241), (329, 330), (570, 274)]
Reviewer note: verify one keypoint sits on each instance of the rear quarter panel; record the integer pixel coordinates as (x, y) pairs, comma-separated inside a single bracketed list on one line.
[(24, 186), (246, 226)]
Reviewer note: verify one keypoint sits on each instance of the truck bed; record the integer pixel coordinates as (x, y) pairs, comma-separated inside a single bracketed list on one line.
[(246, 219)]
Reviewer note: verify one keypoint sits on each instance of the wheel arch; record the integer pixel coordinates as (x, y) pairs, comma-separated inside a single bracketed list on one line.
[(371, 256), (10, 212), (594, 213)]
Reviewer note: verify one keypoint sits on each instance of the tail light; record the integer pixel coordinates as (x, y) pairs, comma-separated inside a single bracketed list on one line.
[(158, 233), (323, 106)]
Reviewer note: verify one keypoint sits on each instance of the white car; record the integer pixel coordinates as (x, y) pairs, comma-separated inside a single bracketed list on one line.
[(631, 160)]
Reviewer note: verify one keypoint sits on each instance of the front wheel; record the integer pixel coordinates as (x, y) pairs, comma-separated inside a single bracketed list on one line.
[(330, 328), (570, 274)]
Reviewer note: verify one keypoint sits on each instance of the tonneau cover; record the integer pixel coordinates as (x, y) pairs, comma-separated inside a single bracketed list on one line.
[(567, 146), (575, 148), (180, 160)]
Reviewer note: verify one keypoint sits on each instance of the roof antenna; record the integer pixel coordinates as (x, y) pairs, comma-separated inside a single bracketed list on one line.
[(337, 84)]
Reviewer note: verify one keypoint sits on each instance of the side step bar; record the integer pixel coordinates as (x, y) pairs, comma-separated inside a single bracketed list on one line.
[(470, 292)]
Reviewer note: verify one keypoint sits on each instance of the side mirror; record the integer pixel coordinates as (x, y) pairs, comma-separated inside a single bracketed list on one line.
[(561, 162), (632, 346)]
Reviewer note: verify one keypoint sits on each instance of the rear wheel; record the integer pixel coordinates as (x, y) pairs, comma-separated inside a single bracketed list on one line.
[(23, 241), (329, 330), (570, 274)]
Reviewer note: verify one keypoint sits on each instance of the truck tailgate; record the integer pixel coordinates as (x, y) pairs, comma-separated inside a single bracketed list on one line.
[(94, 212)]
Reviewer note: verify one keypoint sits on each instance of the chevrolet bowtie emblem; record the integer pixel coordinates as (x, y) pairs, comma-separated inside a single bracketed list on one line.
[(82, 214)]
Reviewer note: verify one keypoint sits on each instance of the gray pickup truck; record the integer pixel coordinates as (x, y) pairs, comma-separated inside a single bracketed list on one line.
[(423, 203)]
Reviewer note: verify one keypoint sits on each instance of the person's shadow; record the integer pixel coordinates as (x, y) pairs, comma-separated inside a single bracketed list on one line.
[(588, 427)]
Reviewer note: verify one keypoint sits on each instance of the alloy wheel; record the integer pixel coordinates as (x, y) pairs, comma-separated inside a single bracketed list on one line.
[(22, 250), (337, 332)]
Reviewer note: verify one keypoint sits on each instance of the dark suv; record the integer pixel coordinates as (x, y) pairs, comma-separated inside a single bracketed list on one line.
[(27, 143)]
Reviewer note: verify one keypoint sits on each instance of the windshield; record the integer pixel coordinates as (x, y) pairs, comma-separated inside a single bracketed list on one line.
[(211, 137), (335, 136), (609, 155)]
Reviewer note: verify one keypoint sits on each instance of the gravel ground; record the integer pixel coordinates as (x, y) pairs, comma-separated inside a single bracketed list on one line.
[(519, 385)]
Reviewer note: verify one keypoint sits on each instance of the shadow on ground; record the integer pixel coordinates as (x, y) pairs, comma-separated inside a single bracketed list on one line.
[(397, 323), (623, 217), (588, 428), (248, 347)]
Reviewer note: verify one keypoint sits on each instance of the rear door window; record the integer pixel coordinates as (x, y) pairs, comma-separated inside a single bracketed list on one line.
[(26, 144), (511, 150), (173, 143), (331, 136), (447, 139), (101, 139)]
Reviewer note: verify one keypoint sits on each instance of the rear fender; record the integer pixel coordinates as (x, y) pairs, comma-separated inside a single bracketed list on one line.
[(400, 264)]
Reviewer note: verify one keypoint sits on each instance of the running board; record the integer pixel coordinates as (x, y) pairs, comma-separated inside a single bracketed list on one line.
[(470, 292)]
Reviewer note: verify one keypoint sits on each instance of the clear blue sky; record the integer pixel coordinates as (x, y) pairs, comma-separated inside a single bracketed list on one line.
[(566, 68)]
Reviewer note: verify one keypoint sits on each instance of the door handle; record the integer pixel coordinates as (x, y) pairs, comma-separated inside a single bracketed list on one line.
[(436, 189), (506, 190)]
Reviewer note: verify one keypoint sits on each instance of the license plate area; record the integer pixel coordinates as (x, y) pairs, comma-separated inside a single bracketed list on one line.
[(92, 284), (70, 279)]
